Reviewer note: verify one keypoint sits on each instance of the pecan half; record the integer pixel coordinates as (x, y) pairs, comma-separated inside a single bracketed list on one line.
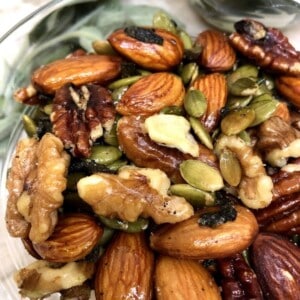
[(238, 279), (80, 114), (268, 47)]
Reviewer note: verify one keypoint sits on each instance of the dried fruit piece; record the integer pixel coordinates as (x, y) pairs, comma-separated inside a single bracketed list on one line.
[(77, 70), (214, 88), (125, 269), (74, 237), (188, 239), (276, 264), (79, 116), (183, 279), (152, 93), (154, 49), (217, 54)]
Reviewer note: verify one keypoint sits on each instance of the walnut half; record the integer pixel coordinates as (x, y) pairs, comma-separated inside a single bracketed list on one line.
[(35, 185), (80, 114), (132, 193)]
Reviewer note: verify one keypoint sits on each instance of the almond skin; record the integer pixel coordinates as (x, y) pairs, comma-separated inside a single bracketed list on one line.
[(77, 70), (217, 54), (214, 88), (189, 239), (289, 87), (182, 279), (276, 263), (125, 269), (152, 93), (74, 236), (149, 55)]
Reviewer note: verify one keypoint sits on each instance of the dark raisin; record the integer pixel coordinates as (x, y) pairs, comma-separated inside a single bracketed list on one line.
[(145, 35), (87, 166), (129, 69)]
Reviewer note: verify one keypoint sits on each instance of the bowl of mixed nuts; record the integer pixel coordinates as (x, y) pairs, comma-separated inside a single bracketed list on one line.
[(151, 163)]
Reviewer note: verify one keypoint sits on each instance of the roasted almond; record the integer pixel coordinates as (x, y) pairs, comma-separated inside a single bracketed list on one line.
[(289, 87), (77, 70), (74, 236), (154, 49), (182, 279), (189, 239), (125, 269), (214, 88), (152, 93), (217, 54), (277, 266)]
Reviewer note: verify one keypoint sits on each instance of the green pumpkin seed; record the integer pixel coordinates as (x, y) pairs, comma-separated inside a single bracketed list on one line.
[(195, 103), (197, 198), (186, 39), (262, 97), (243, 87), (106, 236), (124, 82), (110, 137), (103, 48), (201, 132), (139, 225), (244, 71), (238, 120), (118, 93), (29, 126), (105, 155), (172, 110), (244, 135), (201, 176), (163, 21), (189, 72), (116, 165), (264, 109), (230, 168), (235, 102)]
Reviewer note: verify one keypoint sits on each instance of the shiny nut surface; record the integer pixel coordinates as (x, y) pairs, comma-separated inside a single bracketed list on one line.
[(276, 263), (155, 56), (183, 279), (217, 53), (188, 239), (77, 70), (125, 269), (152, 93), (289, 88), (74, 236)]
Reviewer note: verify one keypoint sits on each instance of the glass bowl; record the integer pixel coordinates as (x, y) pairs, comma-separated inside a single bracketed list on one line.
[(52, 32)]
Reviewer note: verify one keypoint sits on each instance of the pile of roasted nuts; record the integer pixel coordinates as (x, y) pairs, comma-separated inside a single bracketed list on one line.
[(162, 167)]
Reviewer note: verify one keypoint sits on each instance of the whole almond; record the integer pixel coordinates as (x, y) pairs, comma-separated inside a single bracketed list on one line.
[(77, 70), (214, 88), (277, 266), (125, 269), (74, 236), (182, 279), (189, 239), (217, 54), (150, 55), (152, 93), (289, 87)]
